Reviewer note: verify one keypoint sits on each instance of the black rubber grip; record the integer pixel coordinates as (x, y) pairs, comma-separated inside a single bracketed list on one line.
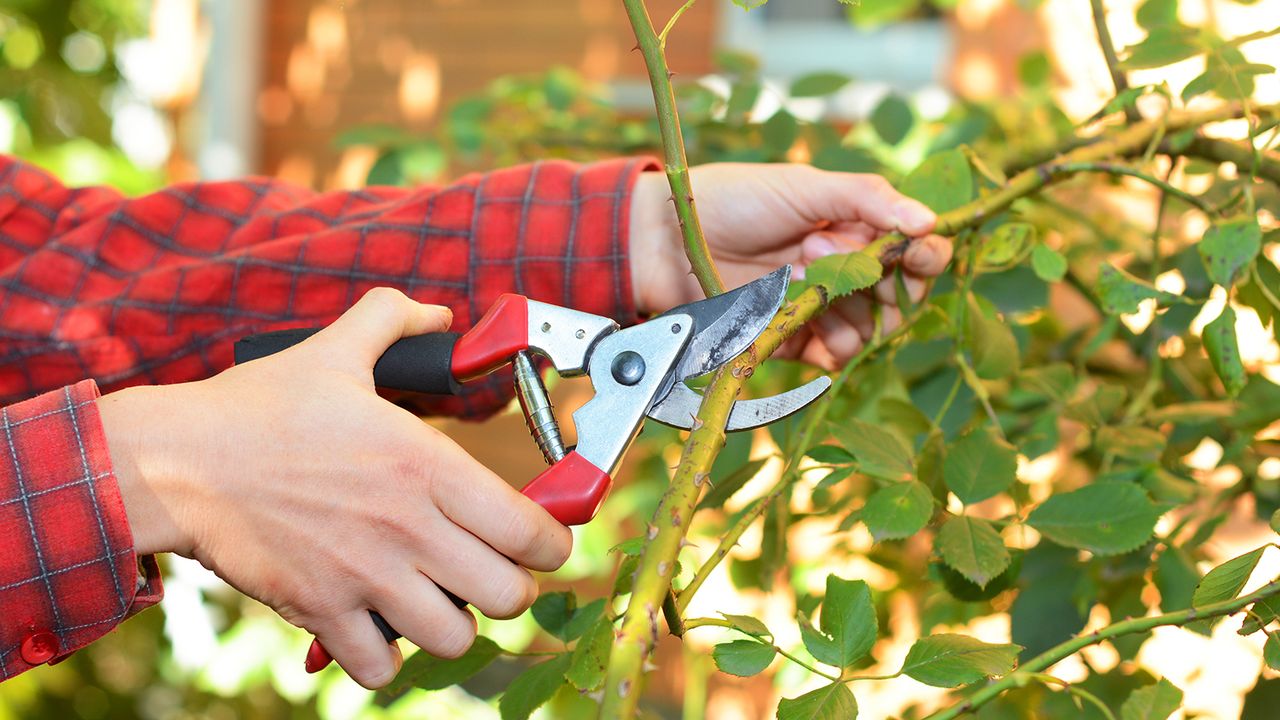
[(390, 634), (418, 364)]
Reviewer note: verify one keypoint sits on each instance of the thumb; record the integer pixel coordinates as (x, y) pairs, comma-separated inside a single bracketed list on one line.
[(379, 319)]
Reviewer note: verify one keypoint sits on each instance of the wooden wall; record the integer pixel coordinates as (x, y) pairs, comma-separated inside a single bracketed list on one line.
[(334, 64)]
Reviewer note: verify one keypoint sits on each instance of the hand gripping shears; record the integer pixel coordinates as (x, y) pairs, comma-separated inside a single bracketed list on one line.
[(636, 373)]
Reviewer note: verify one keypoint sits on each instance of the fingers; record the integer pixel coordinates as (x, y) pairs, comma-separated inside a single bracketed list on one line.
[(426, 617), (357, 645), (479, 575), (475, 499), (927, 256), (381, 317), (835, 197)]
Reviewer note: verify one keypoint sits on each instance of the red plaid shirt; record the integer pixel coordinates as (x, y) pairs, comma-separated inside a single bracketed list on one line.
[(97, 290)]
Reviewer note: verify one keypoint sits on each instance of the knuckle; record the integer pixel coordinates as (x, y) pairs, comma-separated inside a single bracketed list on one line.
[(455, 639), (523, 535), (376, 676), (516, 593), (386, 299)]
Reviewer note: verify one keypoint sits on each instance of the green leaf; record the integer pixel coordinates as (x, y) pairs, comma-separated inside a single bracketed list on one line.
[(1271, 652), (1264, 612), (943, 181), (427, 672), (1275, 521), (1153, 702), (973, 548), (1006, 243), (892, 119), (831, 702), (1048, 264), (992, 344), (949, 660), (979, 465), (1229, 247), (1132, 442), (1227, 580), (818, 84), (847, 628), (1157, 13), (1106, 518), (737, 61), (591, 656), (742, 98), (780, 131), (533, 687), (743, 658), (1120, 293), (558, 613), (747, 624), (898, 511), (879, 452), (1163, 46), (1262, 291), (845, 273), (830, 455), (749, 4), (723, 490), (1220, 343)]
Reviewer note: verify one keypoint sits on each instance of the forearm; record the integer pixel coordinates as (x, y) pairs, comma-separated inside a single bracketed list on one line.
[(157, 289)]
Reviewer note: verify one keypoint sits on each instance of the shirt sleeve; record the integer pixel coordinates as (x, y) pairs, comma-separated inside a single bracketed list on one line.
[(68, 572), (156, 289)]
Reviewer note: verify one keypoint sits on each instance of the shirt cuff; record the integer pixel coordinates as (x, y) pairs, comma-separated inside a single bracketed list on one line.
[(68, 570)]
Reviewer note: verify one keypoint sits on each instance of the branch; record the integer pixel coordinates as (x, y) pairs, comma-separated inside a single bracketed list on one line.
[(1118, 78), (639, 633), (1115, 169), (1220, 151), (675, 163), (1131, 626), (640, 627)]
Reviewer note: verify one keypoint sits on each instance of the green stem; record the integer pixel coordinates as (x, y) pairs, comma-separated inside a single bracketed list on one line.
[(675, 163), (1077, 691), (1131, 626), (789, 473), (716, 622), (666, 30), (1117, 169), (1118, 78)]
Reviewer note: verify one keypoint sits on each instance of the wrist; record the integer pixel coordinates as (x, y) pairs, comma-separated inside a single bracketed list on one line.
[(656, 256), (139, 427)]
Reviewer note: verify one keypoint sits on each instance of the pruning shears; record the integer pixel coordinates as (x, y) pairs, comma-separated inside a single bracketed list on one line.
[(636, 373)]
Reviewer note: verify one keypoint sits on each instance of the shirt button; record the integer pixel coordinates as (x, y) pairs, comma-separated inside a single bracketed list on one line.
[(39, 648)]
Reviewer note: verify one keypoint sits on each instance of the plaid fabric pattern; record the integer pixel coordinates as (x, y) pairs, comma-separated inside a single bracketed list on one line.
[(156, 289), (68, 573)]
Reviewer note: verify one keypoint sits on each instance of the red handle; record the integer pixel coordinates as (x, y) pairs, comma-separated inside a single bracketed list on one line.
[(572, 490), (491, 342)]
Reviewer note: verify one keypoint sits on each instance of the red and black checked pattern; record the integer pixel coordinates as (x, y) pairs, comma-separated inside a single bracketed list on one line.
[(157, 289), (67, 566)]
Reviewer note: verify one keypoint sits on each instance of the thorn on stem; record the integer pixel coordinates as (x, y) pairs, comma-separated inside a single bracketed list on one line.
[(652, 532)]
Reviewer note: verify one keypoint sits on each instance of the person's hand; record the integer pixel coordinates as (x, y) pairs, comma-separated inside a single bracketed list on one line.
[(759, 217), (293, 481)]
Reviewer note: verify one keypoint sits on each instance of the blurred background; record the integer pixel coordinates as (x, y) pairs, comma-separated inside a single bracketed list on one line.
[(340, 93)]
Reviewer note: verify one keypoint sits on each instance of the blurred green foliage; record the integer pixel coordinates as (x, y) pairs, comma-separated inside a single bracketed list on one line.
[(59, 75)]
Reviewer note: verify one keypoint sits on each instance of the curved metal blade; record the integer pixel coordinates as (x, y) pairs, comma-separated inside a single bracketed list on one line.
[(727, 324), (681, 404)]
